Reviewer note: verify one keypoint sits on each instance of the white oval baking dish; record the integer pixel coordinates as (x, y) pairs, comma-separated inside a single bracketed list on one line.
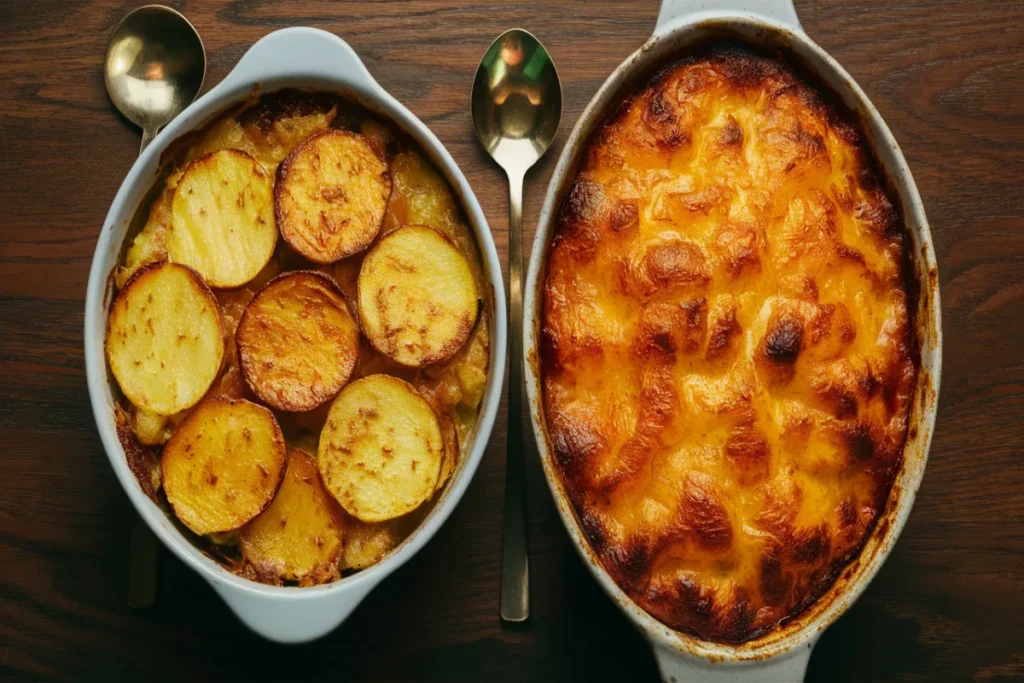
[(294, 58), (782, 655)]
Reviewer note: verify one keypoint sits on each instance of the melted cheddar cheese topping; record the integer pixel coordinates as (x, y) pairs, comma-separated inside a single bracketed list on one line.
[(726, 351)]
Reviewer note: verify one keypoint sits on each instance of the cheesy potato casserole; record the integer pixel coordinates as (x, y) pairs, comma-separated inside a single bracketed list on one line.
[(300, 336), (726, 349)]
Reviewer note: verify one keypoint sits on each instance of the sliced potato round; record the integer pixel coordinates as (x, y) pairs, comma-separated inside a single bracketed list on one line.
[(223, 464), (299, 536), (165, 338), (366, 544), (297, 341), (381, 449), (222, 218), (417, 296), (450, 459), (150, 428), (330, 195)]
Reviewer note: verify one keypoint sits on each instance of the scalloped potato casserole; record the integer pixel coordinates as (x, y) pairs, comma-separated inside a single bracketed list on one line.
[(297, 410), (726, 350)]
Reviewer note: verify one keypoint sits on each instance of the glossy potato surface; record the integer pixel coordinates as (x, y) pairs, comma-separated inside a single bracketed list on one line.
[(298, 538), (417, 296), (222, 219), (223, 465), (297, 341), (330, 196), (165, 339), (381, 449)]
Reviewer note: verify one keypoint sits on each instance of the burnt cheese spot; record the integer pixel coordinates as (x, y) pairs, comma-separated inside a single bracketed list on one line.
[(784, 338), (856, 437), (847, 513), (675, 263), (575, 443), (724, 330), (739, 247), (285, 104), (732, 134), (745, 70), (583, 203), (656, 338), (660, 117), (810, 144), (704, 515), (836, 388), (747, 449), (878, 213), (682, 602), (595, 530), (695, 322), (775, 583), (632, 561), (549, 356), (579, 216), (625, 216), (810, 545), (669, 328), (741, 619)]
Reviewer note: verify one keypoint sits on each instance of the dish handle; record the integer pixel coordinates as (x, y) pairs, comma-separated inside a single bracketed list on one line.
[(295, 616), (308, 53), (674, 12), (786, 668)]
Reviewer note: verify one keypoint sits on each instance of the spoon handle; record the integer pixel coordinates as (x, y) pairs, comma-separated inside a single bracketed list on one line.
[(143, 565), (515, 559), (148, 135), (144, 559)]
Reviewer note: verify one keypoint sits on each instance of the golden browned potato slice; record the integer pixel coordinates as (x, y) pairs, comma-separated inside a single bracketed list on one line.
[(451, 451), (330, 195), (366, 544), (222, 218), (150, 428), (165, 338), (472, 367), (299, 537), (381, 448), (297, 341), (223, 465), (417, 297)]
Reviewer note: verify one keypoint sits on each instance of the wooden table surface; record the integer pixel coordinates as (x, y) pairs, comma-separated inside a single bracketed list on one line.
[(947, 606)]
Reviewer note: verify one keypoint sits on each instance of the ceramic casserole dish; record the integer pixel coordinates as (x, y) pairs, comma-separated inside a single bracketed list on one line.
[(771, 26), (300, 58)]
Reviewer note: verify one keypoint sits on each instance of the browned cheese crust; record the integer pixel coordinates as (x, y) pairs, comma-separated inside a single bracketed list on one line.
[(726, 347)]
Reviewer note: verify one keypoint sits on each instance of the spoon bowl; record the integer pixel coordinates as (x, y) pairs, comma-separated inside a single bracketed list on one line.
[(154, 67), (517, 100), (517, 105)]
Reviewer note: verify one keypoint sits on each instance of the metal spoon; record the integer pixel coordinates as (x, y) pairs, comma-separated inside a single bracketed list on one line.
[(517, 104), (154, 67)]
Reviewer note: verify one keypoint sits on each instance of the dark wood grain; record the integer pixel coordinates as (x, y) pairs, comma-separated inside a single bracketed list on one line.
[(947, 606)]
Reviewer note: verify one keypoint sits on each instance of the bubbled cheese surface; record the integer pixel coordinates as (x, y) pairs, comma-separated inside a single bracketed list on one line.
[(726, 353)]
